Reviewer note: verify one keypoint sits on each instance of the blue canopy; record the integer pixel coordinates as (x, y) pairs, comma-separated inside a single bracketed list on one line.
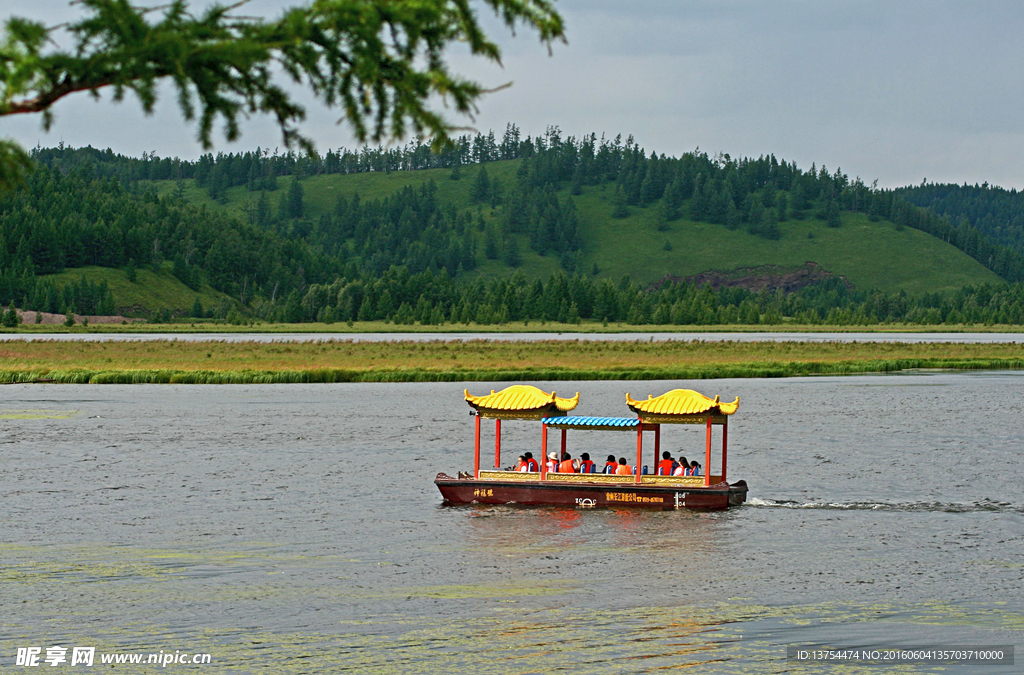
[(592, 423)]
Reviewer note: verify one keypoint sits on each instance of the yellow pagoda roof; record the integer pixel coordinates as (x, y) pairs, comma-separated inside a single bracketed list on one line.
[(521, 398), (682, 402)]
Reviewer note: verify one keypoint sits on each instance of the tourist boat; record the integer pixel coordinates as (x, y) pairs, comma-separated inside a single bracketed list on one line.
[(640, 489)]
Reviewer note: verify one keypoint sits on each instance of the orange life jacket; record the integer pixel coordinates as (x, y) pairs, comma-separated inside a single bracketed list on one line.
[(566, 466), (611, 467), (665, 467), (623, 470), (531, 465), (586, 465)]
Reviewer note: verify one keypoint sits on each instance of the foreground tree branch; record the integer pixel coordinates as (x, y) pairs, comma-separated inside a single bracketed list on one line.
[(382, 62)]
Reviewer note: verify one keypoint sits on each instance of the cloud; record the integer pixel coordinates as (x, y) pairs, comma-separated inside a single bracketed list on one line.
[(895, 91)]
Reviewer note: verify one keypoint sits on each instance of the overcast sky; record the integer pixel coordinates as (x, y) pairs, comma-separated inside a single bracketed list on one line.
[(897, 92)]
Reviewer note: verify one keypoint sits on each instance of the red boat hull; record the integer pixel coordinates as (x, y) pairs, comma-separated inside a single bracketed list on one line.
[(468, 490)]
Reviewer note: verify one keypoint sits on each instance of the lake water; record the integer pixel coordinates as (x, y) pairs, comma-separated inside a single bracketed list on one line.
[(296, 529), (1016, 338)]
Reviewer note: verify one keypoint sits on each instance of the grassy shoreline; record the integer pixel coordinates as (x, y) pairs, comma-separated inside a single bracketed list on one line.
[(219, 362), (586, 327)]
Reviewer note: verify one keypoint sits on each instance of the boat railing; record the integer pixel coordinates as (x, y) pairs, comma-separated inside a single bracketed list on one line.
[(595, 478)]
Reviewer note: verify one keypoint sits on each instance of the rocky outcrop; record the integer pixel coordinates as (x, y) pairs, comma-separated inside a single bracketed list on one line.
[(759, 278), (29, 318)]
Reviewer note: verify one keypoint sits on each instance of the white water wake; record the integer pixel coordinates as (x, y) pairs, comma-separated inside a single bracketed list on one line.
[(985, 505)]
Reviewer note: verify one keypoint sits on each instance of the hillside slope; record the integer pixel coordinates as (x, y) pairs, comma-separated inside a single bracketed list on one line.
[(870, 255), (150, 292)]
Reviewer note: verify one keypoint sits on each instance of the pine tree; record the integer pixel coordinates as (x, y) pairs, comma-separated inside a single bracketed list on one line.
[(497, 193), (699, 205), (10, 317), (292, 206), (662, 216), (755, 216), (577, 180), (782, 207), (563, 312), (673, 199), (647, 190), (574, 314), (404, 314), (491, 243), (662, 315), (733, 218), (619, 200), (769, 195), (481, 188), (365, 310), (771, 230), (512, 255), (832, 218), (262, 213)]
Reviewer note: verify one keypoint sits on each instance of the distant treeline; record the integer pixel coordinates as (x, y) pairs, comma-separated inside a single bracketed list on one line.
[(998, 213), (259, 169), (430, 299), (89, 207), (757, 194)]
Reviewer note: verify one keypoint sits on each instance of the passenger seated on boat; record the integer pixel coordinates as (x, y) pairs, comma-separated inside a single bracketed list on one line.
[(586, 466), (531, 463), (694, 468), (567, 465), (610, 465), (666, 465), (623, 469), (682, 466), (553, 462), (520, 464)]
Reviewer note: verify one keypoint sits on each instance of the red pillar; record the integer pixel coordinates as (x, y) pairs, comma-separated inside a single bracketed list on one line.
[(639, 451), (476, 450), (497, 444), (543, 452), (563, 444), (707, 456), (657, 447), (725, 435)]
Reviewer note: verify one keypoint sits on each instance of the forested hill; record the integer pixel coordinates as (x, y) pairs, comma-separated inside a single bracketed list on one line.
[(996, 212), (285, 234)]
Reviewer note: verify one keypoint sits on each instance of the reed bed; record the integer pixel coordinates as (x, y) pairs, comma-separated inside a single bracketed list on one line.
[(218, 362)]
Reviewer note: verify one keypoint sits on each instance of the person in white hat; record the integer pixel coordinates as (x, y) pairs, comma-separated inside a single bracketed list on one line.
[(553, 462)]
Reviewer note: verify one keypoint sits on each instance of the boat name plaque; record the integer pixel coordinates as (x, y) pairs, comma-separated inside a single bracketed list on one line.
[(630, 497)]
